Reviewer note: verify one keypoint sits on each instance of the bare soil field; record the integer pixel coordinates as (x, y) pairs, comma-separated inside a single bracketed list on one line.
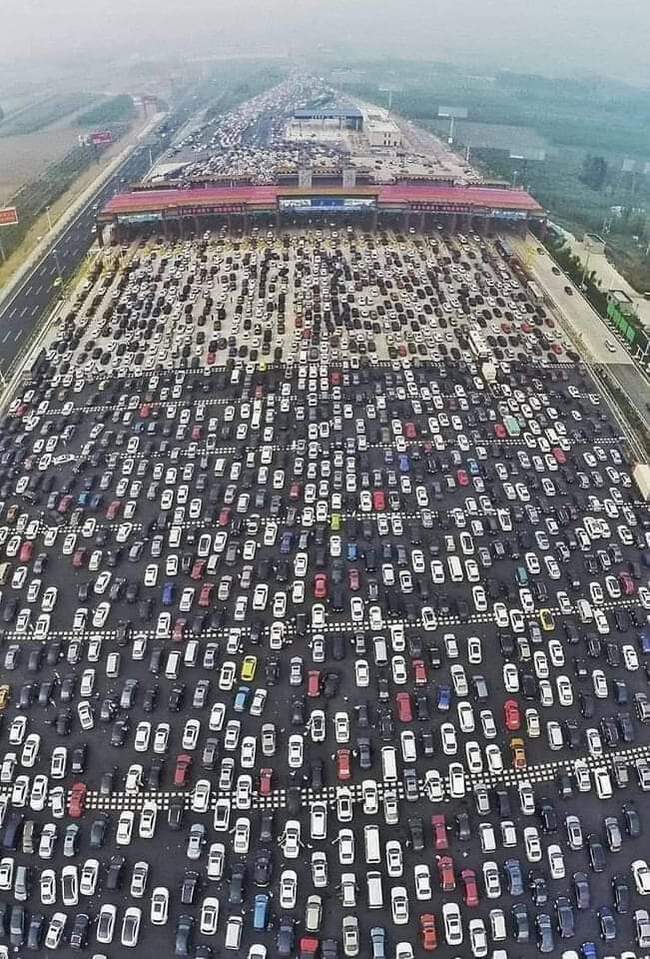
[(23, 158)]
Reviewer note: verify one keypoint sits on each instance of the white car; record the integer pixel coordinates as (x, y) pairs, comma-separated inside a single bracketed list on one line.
[(159, 906), (288, 888), (533, 844), (399, 905), (556, 861), (452, 924), (209, 916), (216, 859), (290, 840), (346, 847), (88, 878), (394, 859), (362, 673), (641, 876), (422, 877)]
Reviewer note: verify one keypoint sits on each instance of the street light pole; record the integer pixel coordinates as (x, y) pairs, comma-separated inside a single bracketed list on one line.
[(49, 218)]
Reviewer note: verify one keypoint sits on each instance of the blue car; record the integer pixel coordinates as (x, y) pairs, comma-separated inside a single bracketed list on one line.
[(261, 911), (404, 463), (168, 594), (241, 699), (352, 551), (588, 950), (286, 542), (444, 698)]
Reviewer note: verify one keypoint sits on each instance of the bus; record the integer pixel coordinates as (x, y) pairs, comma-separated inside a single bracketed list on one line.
[(477, 345)]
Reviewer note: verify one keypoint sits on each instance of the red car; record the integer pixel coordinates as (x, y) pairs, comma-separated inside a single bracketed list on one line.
[(320, 586), (178, 635), (313, 683), (266, 775), (198, 570), (446, 873), (113, 510), (404, 707), (182, 771), (212, 358), (224, 516), (512, 714), (428, 933), (65, 504), (145, 411), (26, 552), (410, 431), (343, 771), (77, 801), (559, 455), (463, 478), (354, 580), (205, 596), (627, 584), (439, 825), (470, 889), (420, 671), (79, 558), (308, 947), (294, 491), (335, 377), (197, 432), (379, 500), (557, 349), (500, 431)]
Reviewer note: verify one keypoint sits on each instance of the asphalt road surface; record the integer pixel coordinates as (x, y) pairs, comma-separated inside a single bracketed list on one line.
[(23, 311)]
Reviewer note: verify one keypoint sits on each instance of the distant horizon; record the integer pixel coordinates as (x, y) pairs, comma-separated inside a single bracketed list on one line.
[(558, 40)]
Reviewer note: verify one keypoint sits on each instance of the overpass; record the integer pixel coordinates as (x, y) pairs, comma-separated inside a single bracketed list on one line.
[(178, 210)]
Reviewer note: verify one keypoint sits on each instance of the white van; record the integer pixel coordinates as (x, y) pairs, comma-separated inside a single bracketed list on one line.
[(173, 664), (498, 925), (584, 610), (389, 763), (233, 932), (380, 651), (455, 569), (375, 890), (372, 844)]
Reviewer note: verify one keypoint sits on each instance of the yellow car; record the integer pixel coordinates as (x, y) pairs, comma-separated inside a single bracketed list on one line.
[(519, 760), (335, 522), (547, 621), (4, 696), (249, 668)]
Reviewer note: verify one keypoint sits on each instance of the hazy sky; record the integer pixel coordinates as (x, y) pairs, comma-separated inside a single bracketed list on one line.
[(554, 36)]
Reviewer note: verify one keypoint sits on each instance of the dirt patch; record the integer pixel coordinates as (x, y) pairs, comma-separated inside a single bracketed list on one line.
[(23, 158)]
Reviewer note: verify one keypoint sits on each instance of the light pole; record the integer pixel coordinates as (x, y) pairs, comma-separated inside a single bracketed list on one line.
[(514, 177), (49, 218)]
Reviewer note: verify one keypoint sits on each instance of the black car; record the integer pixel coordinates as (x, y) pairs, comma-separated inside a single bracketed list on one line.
[(115, 870), (596, 851), (183, 938), (621, 894), (538, 888), (262, 867), (236, 885), (514, 877), (98, 831), (566, 922), (285, 939), (79, 934), (581, 890), (520, 923), (189, 887), (544, 927), (416, 831)]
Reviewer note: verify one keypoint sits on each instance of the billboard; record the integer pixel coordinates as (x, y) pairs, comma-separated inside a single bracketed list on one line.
[(8, 216), (457, 113), (101, 138), (327, 204)]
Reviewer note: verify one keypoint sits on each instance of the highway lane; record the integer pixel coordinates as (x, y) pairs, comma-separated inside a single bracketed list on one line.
[(20, 315)]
